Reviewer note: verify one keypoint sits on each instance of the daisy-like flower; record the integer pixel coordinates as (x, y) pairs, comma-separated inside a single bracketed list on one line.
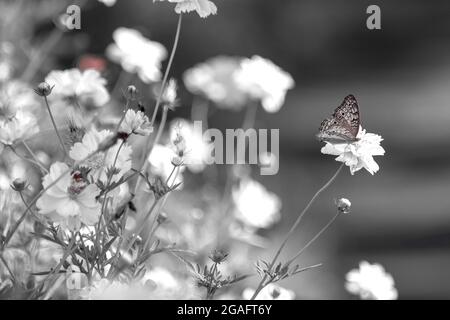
[(72, 85), (101, 162), (358, 154), (270, 292), (255, 206), (204, 8), (137, 54), (197, 151), (372, 282), (136, 122), (215, 80), (264, 81), (71, 201), (161, 161), (17, 127)]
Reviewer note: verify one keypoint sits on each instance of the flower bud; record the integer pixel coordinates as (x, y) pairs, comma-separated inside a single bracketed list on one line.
[(19, 184), (218, 256), (343, 205), (162, 217), (43, 89), (131, 93)]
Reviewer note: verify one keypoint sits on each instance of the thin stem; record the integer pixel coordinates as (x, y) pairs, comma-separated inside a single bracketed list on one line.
[(16, 226), (13, 278), (315, 237), (33, 155), (166, 74), (54, 126), (294, 226), (28, 159)]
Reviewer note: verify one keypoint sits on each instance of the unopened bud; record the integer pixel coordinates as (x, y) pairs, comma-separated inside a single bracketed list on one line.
[(131, 93), (19, 184), (43, 89), (218, 256), (343, 205)]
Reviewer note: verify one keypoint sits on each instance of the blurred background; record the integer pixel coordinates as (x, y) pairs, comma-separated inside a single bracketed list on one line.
[(400, 76)]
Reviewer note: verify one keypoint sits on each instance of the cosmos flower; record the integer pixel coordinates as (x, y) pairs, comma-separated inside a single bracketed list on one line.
[(101, 162), (215, 80), (371, 281), (137, 54), (71, 201), (270, 292), (255, 206), (197, 150), (264, 81), (136, 122), (18, 127), (72, 85), (161, 164), (358, 154), (204, 8)]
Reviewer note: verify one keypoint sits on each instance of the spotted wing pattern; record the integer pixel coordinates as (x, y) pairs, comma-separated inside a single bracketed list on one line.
[(343, 126)]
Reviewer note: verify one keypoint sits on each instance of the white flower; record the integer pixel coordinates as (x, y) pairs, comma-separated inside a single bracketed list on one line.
[(18, 127), (255, 206), (71, 201), (215, 80), (136, 122), (160, 159), (137, 54), (196, 151), (101, 162), (371, 281), (270, 292), (87, 87), (358, 154), (108, 3), (264, 81), (204, 8), (169, 96)]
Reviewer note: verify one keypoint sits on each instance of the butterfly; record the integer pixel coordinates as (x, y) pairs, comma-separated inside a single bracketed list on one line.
[(344, 125)]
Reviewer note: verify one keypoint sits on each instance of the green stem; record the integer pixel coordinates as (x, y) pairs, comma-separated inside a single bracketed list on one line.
[(54, 126)]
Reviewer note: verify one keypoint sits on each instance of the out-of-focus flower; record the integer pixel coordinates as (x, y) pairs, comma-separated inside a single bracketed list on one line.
[(6, 55), (90, 61), (215, 80), (343, 205), (357, 154), (100, 163), (169, 96), (72, 85), (161, 163), (372, 282), (70, 201), (108, 3), (19, 263), (270, 292), (264, 81), (196, 151), (204, 8), (18, 127), (137, 54), (255, 206), (136, 122)]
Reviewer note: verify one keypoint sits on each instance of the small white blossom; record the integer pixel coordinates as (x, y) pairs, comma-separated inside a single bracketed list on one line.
[(71, 201), (215, 80), (137, 54), (358, 154), (108, 3), (255, 206), (264, 81), (372, 282), (270, 292), (169, 96), (204, 8), (161, 163), (136, 122), (86, 87), (100, 163)]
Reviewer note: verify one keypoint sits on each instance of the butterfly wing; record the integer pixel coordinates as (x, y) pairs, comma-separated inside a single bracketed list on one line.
[(344, 124)]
